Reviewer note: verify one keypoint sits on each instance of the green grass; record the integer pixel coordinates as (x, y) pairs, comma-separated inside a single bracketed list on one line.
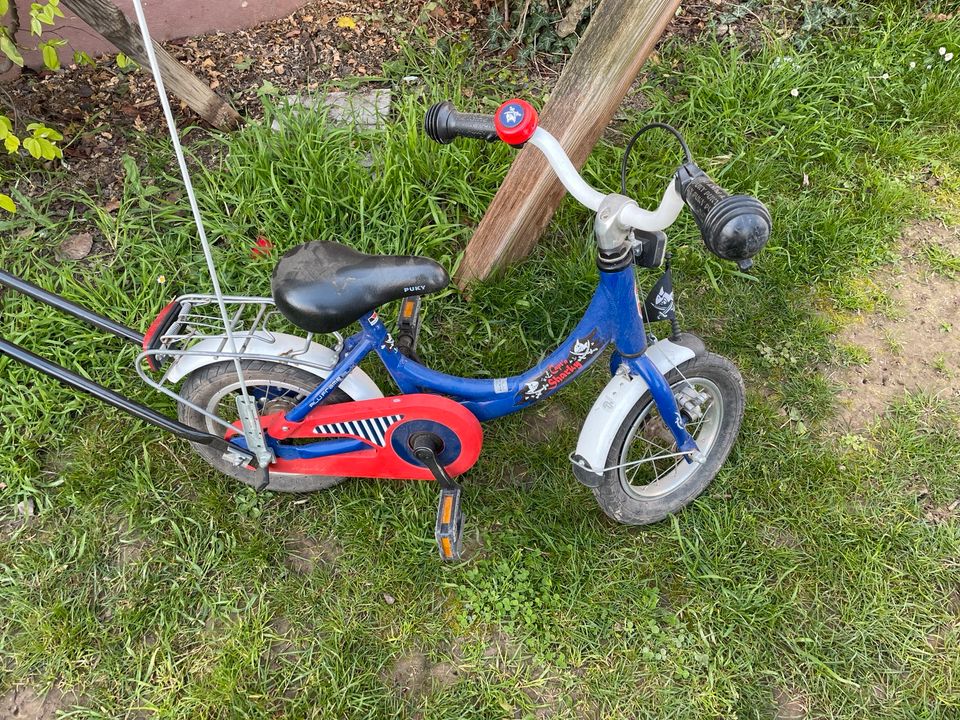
[(808, 568)]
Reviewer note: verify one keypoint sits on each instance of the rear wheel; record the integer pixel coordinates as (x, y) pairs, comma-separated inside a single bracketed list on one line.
[(646, 481), (276, 387)]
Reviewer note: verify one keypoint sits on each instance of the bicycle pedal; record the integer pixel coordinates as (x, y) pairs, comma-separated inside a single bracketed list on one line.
[(449, 528), (408, 326)]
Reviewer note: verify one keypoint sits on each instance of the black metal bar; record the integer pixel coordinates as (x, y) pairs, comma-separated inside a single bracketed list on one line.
[(61, 374), (60, 303)]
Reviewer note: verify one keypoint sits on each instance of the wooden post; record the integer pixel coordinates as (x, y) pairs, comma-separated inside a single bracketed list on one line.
[(108, 20), (620, 36)]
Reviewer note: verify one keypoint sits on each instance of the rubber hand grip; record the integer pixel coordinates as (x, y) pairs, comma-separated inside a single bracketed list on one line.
[(702, 195), (733, 227), (444, 124)]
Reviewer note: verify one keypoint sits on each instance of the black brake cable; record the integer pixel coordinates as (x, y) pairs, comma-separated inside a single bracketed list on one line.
[(626, 152)]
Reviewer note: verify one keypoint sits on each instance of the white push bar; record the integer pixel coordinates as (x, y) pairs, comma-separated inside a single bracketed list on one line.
[(660, 219)]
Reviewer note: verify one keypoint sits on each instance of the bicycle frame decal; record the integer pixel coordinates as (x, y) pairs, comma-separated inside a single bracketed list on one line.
[(555, 375)]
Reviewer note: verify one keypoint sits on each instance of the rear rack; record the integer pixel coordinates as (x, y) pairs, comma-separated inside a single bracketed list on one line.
[(254, 321)]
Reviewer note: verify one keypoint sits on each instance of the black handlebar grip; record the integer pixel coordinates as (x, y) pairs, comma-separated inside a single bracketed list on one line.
[(443, 123), (734, 227), (702, 195)]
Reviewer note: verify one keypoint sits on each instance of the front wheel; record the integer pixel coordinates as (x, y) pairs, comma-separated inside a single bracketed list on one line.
[(645, 480)]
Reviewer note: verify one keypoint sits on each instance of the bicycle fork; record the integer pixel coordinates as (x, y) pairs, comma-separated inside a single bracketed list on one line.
[(667, 405)]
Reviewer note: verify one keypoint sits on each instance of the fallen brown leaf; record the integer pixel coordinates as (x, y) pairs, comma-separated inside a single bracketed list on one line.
[(76, 247)]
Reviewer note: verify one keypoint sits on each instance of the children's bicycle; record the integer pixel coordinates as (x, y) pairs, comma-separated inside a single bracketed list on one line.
[(283, 412)]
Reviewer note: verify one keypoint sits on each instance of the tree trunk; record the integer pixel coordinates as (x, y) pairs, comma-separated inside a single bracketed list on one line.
[(108, 20), (572, 18), (620, 36)]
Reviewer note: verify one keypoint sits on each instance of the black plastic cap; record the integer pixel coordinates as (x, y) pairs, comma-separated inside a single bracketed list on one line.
[(737, 228), (436, 123)]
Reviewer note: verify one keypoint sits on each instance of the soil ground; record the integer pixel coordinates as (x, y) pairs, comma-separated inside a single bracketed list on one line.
[(912, 341), (104, 112)]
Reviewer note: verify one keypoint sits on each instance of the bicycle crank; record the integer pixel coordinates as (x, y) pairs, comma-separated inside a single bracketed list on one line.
[(448, 530)]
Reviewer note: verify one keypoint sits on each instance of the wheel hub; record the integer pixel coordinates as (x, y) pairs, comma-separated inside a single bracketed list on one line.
[(272, 407)]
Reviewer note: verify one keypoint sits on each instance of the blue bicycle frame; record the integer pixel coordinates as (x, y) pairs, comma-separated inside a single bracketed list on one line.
[(612, 316)]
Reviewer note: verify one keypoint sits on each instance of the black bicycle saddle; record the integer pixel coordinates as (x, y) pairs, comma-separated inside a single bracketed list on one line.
[(323, 286)]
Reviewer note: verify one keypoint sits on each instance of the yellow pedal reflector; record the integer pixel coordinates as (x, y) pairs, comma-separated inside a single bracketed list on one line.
[(449, 528)]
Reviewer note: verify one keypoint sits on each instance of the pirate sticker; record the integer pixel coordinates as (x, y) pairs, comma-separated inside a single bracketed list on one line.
[(555, 375)]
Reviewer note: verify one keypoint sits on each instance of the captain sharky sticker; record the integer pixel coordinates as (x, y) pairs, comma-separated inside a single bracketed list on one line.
[(555, 375)]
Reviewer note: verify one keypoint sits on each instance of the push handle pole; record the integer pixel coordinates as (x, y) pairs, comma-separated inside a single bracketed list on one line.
[(55, 301), (246, 405), (123, 403)]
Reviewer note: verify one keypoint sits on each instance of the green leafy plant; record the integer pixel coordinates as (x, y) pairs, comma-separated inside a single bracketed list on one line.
[(125, 63), (38, 140), (518, 596), (40, 143), (531, 28), (40, 14), (820, 16)]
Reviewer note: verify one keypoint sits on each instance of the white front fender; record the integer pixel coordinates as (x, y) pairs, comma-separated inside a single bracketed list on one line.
[(608, 412), (357, 384)]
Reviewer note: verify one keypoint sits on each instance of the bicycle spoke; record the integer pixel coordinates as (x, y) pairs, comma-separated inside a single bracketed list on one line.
[(651, 431), (659, 448)]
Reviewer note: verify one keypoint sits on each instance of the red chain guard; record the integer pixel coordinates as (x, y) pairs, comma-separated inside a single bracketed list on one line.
[(375, 422)]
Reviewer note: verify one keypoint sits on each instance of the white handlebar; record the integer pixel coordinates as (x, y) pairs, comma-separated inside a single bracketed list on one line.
[(663, 217), (560, 162)]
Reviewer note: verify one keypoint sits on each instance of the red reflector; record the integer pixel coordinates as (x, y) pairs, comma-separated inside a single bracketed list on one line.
[(262, 246), (151, 339)]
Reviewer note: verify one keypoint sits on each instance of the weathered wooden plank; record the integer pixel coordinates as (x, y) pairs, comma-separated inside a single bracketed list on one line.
[(620, 36), (108, 20)]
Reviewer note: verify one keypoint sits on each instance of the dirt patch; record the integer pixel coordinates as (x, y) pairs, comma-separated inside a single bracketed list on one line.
[(515, 475), (502, 650), (131, 543), (105, 112), (25, 703), (781, 537), (284, 647), (325, 41), (305, 554), (281, 643), (548, 689), (21, 515), (922, 235), (413, 675), (914, 343), (472, 544), (543, 422), (789, 705), (546, 695), (219, 623), (937, 514)]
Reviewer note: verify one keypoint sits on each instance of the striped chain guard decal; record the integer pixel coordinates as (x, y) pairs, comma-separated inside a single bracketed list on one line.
[(385, 425)]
